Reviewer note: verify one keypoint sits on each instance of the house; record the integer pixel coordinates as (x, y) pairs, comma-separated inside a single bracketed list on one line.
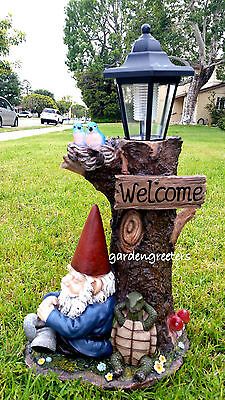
[(213, 88)]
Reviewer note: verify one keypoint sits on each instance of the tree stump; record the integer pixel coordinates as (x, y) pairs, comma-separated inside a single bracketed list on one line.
[(147, 232)]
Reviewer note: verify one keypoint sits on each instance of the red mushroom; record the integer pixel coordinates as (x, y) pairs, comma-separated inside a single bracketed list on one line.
[(175, 323), (184, 315)]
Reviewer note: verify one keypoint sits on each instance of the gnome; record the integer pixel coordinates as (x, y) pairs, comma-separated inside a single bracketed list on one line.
[(80, 315)]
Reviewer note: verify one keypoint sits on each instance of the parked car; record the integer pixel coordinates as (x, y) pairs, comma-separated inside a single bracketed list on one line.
[(25, 114), (8, 115), (51, 115), (66, 117)]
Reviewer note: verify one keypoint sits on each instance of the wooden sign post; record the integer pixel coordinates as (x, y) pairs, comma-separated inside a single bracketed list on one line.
[(159, 192)]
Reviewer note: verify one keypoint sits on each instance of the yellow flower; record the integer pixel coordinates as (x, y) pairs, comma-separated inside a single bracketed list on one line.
[(158, 367), (109, 377), (41, 361), (162, 359)]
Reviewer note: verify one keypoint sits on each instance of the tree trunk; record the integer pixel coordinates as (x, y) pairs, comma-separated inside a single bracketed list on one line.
[(143, 231), (200, 79)]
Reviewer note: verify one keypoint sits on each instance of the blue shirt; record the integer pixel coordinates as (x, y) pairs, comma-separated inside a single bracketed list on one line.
[(88, 333)]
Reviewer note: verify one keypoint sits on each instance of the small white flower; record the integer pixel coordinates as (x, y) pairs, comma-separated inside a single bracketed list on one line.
[(158, 367), (41, 361), (109, 377), (162, 359), (181, 345), (101, 366)]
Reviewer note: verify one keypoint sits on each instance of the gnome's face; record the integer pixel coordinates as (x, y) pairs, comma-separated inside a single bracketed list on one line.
[(73, 283)]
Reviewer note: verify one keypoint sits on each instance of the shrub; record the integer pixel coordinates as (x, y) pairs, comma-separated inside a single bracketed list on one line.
[(221, 122), (217, 115)]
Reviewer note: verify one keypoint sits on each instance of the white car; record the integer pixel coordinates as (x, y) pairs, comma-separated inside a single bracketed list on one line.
[(8, 115), (25, 114), (51, 115)]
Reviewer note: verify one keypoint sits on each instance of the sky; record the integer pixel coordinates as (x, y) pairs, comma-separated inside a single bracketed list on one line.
[(42, 56)]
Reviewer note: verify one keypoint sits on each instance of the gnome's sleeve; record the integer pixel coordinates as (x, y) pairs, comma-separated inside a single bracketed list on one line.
[(78, 327), (56, 294)]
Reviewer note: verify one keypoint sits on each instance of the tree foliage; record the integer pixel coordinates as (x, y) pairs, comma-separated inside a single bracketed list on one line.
[(64, 104), (220, 73), (78, 110), (100, 33), (201, 26), (10, 87), (8, 36), (217, 110), (100, 96), (26, 87), (44, 92), (37, 102)]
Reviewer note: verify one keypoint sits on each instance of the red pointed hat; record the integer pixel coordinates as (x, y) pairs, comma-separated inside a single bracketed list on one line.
[(91, 255)]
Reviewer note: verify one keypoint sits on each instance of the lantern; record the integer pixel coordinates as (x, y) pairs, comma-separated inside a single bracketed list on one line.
[(147, 84)]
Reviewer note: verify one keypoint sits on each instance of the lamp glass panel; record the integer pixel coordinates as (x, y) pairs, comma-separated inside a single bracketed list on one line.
[(161, 104), (135, 97), (135, 101)]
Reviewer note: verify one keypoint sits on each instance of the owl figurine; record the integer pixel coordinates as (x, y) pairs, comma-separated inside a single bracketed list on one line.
[(79, 136), (94, 137)]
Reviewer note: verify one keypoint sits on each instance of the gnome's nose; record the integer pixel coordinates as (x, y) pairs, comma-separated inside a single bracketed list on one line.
[(90, 129)]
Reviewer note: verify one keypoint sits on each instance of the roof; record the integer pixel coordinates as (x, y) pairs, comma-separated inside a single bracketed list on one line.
[(206, 88)]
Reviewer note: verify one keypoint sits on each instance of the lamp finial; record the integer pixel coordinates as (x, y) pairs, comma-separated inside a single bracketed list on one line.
[(146, 28)]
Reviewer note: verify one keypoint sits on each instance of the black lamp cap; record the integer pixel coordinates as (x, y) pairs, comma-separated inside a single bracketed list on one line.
[(146, 28), (147, 59), (146, 42)]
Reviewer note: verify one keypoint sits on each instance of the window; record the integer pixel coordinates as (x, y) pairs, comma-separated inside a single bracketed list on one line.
[(220, 103), (3, 103)]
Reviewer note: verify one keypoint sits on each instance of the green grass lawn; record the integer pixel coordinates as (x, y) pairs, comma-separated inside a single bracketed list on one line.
[(21, 128), (42, 212)]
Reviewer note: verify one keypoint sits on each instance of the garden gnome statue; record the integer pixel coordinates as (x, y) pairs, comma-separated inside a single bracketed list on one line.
[(80, 315)]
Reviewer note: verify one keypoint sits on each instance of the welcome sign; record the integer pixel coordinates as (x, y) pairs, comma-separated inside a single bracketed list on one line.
[(159, 192)]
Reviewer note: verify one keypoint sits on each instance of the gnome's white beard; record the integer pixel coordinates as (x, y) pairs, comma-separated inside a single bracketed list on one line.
[(74, 306)]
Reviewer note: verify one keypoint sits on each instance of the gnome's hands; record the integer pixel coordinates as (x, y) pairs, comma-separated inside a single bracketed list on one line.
[(46, 307)]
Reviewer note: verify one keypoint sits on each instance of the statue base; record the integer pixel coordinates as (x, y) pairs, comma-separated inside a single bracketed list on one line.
[(99, 372)]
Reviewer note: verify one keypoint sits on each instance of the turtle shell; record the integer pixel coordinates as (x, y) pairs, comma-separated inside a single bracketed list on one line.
[(133, 342)]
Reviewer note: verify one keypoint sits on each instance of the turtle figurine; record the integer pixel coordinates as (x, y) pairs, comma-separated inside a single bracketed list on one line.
[(134, 336)]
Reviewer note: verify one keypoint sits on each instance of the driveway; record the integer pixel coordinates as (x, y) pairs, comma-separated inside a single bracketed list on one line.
[(12, 135)]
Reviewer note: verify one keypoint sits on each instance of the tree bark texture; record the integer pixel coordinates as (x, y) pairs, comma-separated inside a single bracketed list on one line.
[(200, 78), (145, 232)]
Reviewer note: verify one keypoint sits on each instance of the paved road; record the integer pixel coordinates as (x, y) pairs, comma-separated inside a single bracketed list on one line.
[(24, 122), (12, 135)]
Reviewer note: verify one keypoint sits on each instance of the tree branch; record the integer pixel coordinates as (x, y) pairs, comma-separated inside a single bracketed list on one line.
[(200, 43), (182, 60), (191, 5), (73, 166), (218, 62), (181, 219)]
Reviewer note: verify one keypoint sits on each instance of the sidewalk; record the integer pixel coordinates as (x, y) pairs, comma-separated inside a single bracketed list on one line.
[(13, 135)]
